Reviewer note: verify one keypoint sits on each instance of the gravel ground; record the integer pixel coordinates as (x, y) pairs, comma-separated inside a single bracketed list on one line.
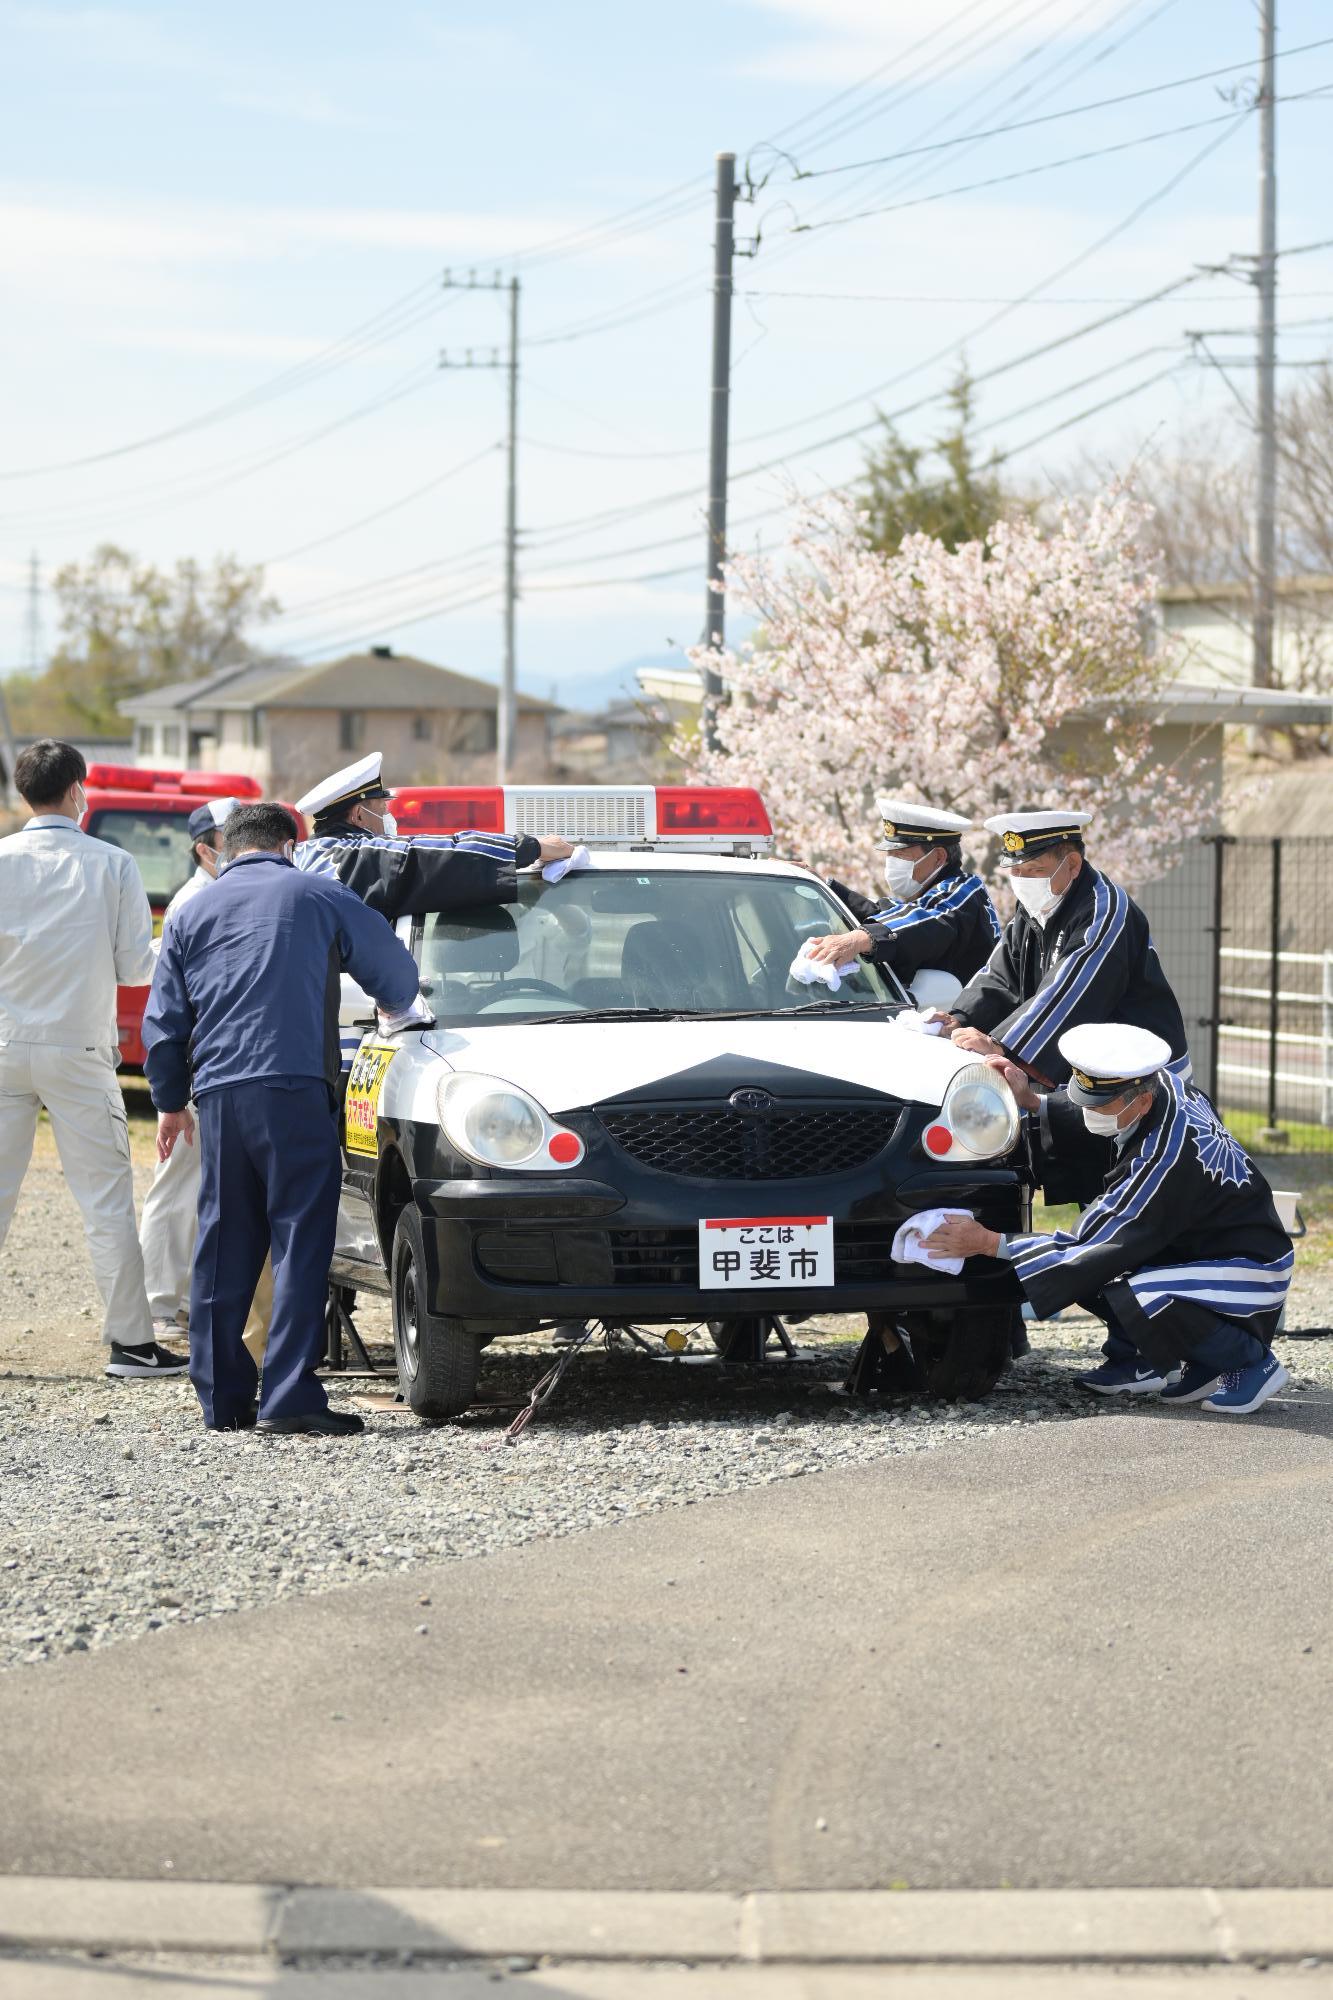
[(121, 1515)]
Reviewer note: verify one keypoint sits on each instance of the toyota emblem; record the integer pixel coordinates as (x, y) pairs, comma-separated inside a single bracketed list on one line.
[(751, 1103)]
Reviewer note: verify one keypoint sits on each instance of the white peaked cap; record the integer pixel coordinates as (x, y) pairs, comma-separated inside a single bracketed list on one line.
[(346, 787), (1109, 1056), (1024, 834), (904, 819)]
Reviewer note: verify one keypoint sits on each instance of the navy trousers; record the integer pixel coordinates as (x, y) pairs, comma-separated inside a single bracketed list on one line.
[(1222, 1347), (270, 1171)]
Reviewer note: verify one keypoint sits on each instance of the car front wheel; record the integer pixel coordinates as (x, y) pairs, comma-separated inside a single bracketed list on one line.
[(960, 1356), (437, 1360)]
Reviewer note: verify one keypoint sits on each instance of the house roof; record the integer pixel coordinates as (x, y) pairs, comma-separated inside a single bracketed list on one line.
[(357, 681)]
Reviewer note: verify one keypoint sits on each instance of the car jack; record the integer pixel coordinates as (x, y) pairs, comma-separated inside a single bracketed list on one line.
[(339, 1326)]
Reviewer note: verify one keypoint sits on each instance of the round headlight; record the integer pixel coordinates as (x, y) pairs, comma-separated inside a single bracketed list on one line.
[(980, 1111), (490, 1121)]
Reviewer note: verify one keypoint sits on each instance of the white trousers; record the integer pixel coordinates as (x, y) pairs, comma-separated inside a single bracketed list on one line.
[(78, 1088), (167, 1229), (166, 1234)]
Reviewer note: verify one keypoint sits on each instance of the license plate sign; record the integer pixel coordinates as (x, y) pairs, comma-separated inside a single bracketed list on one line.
[(749, 1253)]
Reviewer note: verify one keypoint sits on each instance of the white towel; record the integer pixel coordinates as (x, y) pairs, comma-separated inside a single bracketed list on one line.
[(915, 1019), (807, 971), (416, 1014), (555, 871), (909, 1248)]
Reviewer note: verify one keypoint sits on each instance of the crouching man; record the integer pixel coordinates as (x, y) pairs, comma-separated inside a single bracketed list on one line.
[(1182, 1254)]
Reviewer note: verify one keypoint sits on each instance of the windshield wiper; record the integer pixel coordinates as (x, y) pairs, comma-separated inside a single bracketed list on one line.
[(840, 1007), (607, 1014)]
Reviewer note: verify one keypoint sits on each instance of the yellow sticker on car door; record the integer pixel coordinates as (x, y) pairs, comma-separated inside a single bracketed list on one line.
[(370, 1066)]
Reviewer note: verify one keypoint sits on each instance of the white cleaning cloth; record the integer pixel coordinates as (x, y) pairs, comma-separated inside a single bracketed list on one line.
[(915, 1019), (909, 1247), (807, 971), (555, 871)]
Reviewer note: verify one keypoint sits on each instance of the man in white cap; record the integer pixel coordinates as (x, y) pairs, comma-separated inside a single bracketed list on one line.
[(1076, 949), (169, 1222), (354, 836), (938, 926), (1182, 1254)]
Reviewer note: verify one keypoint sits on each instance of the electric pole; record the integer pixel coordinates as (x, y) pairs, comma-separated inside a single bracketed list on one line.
[(1263, 552), (715, 605), (506, 701), (32, 631)]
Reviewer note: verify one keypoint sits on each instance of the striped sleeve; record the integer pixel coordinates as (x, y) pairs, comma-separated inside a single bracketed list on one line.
[(1084, 985)]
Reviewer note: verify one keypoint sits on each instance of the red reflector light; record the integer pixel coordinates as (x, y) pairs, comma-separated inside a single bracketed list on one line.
[(449, 809), (711, 809), (218, 785), (938, 1138), (122, 778), (564, 1147)]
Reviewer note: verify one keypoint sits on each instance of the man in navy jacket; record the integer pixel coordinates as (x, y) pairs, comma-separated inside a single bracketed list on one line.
[(243, 1015)]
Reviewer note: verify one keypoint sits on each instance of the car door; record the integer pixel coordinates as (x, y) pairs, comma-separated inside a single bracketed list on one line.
[(371, 1055)]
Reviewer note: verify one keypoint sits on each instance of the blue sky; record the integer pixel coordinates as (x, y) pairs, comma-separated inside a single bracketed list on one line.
[(197, 198)]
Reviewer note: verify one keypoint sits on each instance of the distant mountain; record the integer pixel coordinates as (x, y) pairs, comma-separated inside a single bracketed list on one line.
[(592, 692)]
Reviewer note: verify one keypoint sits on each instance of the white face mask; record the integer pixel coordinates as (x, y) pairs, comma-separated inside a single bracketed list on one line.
[(81, 804), (1036, 895), (900, 878), (1104, 1123), (390, 826)]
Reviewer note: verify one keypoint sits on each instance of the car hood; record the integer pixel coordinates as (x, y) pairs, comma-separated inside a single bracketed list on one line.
[(566, 1065)]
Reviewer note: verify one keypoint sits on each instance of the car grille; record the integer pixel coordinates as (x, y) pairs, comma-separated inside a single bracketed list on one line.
[(797, 1144), (654, 1257)]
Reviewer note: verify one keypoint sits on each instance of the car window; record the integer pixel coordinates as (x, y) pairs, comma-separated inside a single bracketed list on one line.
[(695, 944), (158, 841)]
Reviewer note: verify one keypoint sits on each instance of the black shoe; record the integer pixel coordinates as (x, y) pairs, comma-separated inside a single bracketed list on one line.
[(316, 1423), (150, 1359), (875, 1368), (1019, 1344)]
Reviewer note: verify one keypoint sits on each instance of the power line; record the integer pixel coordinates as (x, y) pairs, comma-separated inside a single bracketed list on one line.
[(381, 513), (974, 299), (1050, 117), (1045, 167)]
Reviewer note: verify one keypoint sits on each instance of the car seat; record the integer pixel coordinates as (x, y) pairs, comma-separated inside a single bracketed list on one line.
[(660, 965)]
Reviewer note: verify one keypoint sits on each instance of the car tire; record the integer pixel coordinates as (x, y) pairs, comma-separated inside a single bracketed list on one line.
[(741, 1340), (960, 1356), (437, 1359)]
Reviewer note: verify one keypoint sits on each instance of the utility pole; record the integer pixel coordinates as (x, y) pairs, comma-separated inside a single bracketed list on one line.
[(506, 701), (715, 605), (506, 715), (32, 632), (1263, 551)]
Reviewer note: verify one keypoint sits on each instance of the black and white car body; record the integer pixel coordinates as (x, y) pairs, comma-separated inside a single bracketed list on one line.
[(627, 1111)]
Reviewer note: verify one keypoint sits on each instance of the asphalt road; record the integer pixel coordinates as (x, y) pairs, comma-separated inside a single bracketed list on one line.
[(1082, 1655)]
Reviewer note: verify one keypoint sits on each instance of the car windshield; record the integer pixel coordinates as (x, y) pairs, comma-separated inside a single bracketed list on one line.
[(159, 842), (643, 941)]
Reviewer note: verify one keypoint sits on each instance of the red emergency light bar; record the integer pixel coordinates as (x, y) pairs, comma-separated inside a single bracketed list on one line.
[(679, 812), (192, 784)]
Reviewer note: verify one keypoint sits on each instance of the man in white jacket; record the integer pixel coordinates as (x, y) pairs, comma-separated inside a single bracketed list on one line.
[(74, 924)]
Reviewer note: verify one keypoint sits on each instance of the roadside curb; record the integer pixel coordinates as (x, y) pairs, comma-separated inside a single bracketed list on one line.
[(963, 1927)]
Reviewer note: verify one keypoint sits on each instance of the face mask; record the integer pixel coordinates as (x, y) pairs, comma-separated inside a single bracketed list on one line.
[(1036, 895), (390, 826), (81, 804), (1105, 1124), (902, 882)]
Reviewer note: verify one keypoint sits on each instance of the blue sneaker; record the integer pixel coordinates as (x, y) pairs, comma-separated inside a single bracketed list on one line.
[(1244, 1389), (1124, 1378), (1192, 1384)]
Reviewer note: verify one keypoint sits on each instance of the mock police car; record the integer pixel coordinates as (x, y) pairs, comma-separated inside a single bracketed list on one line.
[(627, 1110)]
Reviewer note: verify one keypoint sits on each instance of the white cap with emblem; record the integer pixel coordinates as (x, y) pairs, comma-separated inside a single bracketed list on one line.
[(348, 787), (904, 822), (1109, 1058)]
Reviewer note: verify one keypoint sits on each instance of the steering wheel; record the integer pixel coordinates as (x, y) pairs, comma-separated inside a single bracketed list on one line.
[(518, 985)]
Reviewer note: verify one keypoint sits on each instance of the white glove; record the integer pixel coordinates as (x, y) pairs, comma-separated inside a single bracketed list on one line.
[(915, 1019), (417, 1015), (555, 871), (807, 971)]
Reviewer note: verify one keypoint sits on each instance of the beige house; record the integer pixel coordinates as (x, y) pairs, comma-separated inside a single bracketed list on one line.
[(288, 725)]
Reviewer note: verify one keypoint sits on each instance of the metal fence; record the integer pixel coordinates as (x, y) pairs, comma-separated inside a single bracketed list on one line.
[(1244, 928)]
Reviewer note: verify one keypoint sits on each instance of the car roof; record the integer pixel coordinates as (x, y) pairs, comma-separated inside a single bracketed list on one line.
[(637, 860)]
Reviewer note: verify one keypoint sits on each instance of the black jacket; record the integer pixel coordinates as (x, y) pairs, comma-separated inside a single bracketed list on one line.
[(431, 871), (1093, 960), (952, 926), (1184, 1219)]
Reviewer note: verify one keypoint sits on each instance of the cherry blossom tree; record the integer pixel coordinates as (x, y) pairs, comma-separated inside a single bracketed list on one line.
[(952, 677)]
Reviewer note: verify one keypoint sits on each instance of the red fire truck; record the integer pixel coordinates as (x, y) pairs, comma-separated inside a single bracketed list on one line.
[(147, 814)]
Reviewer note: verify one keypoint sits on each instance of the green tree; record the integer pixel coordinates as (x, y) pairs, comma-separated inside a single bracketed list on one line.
[(127, 627), (958, 503)]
